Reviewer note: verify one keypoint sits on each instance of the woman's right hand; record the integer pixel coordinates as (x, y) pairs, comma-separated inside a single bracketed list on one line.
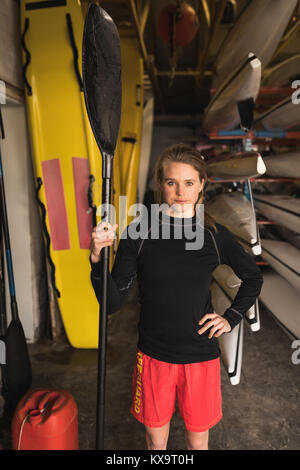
[(102, 235)]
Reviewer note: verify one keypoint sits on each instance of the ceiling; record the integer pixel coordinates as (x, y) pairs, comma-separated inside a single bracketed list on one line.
[(189, 91)]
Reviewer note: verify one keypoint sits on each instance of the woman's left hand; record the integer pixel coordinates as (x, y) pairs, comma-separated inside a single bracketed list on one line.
[(217, 323)]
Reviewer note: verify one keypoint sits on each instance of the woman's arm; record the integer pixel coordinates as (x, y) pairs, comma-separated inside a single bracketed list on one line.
[(234, 255), (120, 279)]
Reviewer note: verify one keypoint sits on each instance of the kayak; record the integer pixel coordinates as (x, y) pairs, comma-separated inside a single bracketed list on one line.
[(283, 115), (231, 344), (286, 165), (238, 165), (284, 259), (241, 86), (282, 209), (235, 211), (282, 300), (229, 282), (258, 29), (282, 74)]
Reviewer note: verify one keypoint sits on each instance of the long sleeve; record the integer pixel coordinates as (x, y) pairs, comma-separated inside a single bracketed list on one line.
[(244, 266), (122, 275)]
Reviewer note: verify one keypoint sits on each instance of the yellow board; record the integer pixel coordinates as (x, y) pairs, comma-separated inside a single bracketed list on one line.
[(64, 154), (132, 117)]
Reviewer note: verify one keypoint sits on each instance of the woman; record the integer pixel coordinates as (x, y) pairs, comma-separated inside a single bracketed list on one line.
[(178, 352)]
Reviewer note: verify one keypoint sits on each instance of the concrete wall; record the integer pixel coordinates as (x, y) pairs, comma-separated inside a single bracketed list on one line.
[(10, 43), (24, 224)]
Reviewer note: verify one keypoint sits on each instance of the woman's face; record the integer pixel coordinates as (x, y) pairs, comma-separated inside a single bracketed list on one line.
[(180, 188)]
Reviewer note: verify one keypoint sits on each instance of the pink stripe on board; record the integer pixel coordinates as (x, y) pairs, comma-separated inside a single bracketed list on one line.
[(81, 173), (56, 206)]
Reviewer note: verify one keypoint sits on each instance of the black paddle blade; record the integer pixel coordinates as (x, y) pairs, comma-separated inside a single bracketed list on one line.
[(16, 372), (101, 73)]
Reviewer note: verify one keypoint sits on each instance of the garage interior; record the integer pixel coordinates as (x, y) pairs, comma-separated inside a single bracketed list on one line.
[(179, 83)]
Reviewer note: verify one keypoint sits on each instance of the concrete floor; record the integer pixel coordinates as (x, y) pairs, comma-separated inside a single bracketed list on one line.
[(261, 413)]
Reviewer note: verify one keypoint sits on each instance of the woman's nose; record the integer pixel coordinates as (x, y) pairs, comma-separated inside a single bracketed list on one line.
[(180, 189)]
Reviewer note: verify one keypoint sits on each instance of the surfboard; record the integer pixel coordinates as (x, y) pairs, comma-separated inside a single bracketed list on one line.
[(242, 84), (281, 209), (258, 29), (234, 211), (231, 344), (64, 153), (238, 165), (284, 259), (283, 301)]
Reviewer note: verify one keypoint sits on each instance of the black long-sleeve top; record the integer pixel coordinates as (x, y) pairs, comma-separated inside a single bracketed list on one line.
[(174, 284)]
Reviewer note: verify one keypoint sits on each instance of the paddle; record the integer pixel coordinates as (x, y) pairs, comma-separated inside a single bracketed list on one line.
[(16, 372), (101, 73)]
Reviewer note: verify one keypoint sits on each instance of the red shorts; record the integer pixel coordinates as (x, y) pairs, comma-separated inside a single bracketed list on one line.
[(198, 387)]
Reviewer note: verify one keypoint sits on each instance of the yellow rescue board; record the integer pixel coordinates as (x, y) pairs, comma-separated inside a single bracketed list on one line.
[(64, 154)]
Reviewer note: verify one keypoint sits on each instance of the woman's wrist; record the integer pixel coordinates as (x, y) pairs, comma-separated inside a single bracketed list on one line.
[(95, 258)]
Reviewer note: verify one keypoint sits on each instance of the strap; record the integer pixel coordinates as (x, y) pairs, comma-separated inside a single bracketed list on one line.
[(75, 50), (28, 57), (47, 236)]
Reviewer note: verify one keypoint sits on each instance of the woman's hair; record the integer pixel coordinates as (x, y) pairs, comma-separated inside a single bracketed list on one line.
[(184, 154)]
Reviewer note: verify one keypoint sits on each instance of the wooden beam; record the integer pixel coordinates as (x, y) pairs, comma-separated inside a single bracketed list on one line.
[(217, 19), (287, 37), (144, 15), (148, 59), (204, 13)]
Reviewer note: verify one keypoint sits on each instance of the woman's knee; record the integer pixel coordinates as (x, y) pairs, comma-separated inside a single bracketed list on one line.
[(157, 438), (197, 440)]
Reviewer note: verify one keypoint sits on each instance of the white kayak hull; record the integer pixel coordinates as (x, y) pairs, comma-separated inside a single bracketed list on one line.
[(284, 259), (283, 115), (281, 209), (283, 301), (230, 283), (234, 211), (243, 83), (282, 74), (286, 165), (231, 344), (239, 165), (259, 30)]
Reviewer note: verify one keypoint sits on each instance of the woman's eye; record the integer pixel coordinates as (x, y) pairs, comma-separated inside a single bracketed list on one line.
[(170, 183)]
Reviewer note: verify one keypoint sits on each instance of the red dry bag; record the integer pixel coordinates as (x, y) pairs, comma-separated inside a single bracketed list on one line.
[(45, 420)]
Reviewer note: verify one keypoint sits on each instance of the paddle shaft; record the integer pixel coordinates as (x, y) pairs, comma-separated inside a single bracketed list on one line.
[(106, 200)]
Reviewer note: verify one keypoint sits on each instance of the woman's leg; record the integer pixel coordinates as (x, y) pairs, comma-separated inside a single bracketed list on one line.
[(157, 438), (196, 440)]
